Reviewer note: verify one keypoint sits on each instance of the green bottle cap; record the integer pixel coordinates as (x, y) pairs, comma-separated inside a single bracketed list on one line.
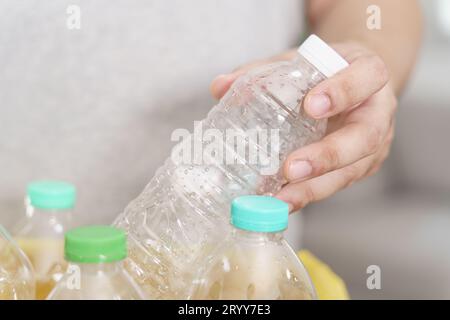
[(95, 244), (259, 213), (51, 195)]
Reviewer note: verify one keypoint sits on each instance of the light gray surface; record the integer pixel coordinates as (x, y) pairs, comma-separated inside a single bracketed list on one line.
[(97, 106)]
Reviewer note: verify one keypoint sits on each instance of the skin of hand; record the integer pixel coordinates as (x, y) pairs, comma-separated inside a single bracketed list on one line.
[(359, 103)]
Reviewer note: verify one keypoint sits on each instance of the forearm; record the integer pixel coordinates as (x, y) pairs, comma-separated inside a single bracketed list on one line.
[(397, 41)]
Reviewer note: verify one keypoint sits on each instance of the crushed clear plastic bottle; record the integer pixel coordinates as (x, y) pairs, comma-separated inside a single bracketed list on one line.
[(254, 262), (16, 273), (183, 211)]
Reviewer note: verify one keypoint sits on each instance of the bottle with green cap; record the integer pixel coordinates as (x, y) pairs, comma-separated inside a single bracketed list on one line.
[(95, 271), (254, 261), (40, 233)]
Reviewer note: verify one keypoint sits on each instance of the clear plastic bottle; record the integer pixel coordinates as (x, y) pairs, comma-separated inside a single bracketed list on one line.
[(96, 272), (16, 273), (254, 261), (183, 211), (41, 233)]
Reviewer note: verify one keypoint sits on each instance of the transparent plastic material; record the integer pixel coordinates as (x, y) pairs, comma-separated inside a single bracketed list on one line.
[(102, 281), (183, 211), (252, 266), (16, 273), (41, 236)]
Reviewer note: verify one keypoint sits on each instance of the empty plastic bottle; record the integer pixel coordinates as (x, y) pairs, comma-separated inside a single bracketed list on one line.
[(95, 271), (183, 211), (16, 273), (254, 261), (41, 233)]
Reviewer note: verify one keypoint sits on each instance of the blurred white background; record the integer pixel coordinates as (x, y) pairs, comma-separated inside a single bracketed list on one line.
[(400, 218)]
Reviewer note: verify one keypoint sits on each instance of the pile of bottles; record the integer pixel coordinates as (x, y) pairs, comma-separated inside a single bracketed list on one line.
[(48, 259), (178, 240)]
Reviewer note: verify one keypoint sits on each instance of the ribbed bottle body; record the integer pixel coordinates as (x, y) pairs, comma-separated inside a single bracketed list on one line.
[(237, 150)]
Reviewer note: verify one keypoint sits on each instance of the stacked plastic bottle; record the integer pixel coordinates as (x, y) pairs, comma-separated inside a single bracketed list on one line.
[(95, 272), (254, 262), (184, 209), (41, 233)]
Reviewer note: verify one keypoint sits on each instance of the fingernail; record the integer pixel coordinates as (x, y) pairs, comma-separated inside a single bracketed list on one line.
[(219, 84), (318, 104), (220, 77), (291, 207), (299, 169)]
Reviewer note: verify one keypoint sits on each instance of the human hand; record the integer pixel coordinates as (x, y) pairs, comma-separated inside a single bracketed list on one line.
[(360, 105)]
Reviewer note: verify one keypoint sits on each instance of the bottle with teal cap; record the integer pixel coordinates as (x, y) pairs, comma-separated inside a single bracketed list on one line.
[(254, 261), (95, 272), (40, 233)]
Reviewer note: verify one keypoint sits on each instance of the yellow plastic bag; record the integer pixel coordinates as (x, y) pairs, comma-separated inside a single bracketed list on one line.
[(329, 286)]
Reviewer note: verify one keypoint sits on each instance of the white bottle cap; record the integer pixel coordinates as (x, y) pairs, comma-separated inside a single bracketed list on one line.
[(322, 56)]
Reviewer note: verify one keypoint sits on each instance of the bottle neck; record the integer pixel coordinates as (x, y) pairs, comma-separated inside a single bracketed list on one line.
[(313, 73), (91, 269), (256, 237), (314, 76), (47, 213), (46, 222)]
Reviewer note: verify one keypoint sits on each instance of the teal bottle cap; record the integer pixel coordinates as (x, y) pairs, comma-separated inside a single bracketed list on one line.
[(259, 213), (95, 244), (52, 195)]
